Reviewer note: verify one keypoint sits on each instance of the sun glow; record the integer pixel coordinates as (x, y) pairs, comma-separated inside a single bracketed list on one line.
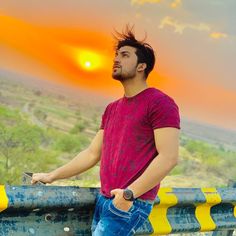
[(88, 60), (87, 64)]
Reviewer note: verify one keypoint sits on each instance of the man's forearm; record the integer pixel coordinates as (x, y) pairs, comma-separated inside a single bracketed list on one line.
[(155, 172), (80, 163)]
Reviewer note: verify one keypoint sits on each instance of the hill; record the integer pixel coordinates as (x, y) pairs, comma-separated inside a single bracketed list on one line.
[(67, 120)]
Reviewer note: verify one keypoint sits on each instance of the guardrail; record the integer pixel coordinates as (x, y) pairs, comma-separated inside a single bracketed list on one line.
[(55, 211)]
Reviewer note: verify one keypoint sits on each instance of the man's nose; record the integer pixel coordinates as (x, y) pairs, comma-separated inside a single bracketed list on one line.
[(116, 59)]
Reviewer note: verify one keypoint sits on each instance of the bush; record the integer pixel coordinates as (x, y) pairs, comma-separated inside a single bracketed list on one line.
[(68, 143)]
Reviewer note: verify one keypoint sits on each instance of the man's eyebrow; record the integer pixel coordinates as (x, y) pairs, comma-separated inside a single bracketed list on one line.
[(123, 52)]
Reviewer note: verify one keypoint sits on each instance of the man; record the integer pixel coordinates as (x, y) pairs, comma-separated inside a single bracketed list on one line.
[(137, 144)]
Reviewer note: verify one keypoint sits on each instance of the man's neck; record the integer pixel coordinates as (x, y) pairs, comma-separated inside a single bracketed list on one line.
[(131, 87)]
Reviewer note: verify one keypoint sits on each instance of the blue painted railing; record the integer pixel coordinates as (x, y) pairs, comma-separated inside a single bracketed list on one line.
[(54, 210)]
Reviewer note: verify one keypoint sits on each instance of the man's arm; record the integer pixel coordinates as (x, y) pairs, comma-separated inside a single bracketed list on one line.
[(167, 144), (80, 163)]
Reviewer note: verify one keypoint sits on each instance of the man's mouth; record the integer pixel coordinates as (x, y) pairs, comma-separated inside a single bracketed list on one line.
[(116, 67)]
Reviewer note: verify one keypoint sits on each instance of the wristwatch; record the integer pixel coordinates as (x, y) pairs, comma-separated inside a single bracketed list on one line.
[(128, 195)]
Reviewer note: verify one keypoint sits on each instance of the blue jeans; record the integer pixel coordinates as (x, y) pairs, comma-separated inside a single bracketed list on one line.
[(108, 220)]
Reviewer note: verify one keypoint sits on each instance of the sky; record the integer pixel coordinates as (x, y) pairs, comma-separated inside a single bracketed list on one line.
[(70, 42)]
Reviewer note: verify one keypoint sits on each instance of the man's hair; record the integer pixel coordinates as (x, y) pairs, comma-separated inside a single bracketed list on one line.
[(144, 51)]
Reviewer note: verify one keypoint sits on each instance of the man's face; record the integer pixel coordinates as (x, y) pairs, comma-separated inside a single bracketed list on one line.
[(125, 63)]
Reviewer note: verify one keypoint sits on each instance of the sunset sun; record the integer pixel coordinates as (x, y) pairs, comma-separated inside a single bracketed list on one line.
[(88, 60)]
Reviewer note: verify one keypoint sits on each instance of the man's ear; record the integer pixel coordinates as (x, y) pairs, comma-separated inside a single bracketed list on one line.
[(141, 67)]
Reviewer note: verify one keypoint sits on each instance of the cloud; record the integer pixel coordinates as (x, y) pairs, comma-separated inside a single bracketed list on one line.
[(142, 2), (176, 3), (173, 4), (218, 35), (180, 27)]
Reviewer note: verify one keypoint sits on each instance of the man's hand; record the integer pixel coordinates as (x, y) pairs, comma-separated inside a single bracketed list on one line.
[(43, 177), (119, 200)]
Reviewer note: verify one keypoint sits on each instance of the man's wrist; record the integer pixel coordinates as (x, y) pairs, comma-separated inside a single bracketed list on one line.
[(128, 195), (52, 176)]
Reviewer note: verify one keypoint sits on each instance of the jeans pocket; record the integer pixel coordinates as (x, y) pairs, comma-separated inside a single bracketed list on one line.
[(136, 225), (118, 212)]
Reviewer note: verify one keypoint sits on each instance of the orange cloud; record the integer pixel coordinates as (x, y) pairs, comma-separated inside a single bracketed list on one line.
[(46, 46), (218, 35)]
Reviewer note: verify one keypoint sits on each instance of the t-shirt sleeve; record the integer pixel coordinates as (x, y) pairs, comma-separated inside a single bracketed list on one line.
[(164, 112), (104, 117)]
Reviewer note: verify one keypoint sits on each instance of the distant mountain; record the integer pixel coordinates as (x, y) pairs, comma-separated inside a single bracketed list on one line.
[(55, 88), (209, 133)]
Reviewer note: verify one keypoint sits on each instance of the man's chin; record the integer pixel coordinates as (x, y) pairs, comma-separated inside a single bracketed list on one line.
[(117, 77)]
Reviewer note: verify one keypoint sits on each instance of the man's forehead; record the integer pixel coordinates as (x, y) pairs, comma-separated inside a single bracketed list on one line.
[(126, 49)]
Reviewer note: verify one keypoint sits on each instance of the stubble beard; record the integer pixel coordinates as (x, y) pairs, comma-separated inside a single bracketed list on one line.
[(121, 76)]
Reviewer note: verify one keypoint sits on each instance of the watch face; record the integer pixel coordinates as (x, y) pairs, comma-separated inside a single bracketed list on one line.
[(128, 194)]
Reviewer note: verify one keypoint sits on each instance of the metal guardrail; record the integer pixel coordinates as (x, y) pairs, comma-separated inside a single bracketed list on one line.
[(57, 211)]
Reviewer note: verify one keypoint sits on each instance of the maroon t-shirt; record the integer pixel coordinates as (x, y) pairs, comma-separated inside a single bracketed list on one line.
[(128, 142)]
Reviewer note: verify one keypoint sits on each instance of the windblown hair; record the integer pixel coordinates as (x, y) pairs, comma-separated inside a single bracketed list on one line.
[(144, 52)]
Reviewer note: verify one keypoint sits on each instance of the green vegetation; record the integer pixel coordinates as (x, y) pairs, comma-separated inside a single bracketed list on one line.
[(70, 143), (21, 147), (208, 164), (39, 132), (213, 158), (27, 147)]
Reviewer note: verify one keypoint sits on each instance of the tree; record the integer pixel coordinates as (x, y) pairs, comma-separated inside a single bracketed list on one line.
[(21, 150)]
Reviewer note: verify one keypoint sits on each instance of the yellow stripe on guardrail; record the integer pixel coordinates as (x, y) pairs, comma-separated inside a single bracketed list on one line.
[(235, 210), (203, 210), (3, 198), (158, 216)]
